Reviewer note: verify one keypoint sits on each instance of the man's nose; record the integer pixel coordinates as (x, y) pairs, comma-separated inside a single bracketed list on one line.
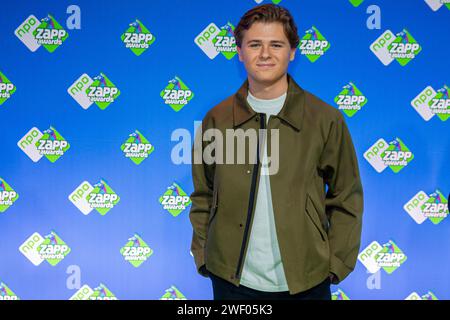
[(265, 51)]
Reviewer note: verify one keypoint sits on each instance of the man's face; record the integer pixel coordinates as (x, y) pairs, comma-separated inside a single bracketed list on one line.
[(266, 52)]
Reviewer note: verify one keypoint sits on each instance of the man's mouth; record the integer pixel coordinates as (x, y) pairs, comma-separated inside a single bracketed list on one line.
[(265, 65)]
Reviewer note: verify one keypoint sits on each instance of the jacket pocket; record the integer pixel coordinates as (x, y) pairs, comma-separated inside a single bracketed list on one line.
[(314, 217), (214, 205)]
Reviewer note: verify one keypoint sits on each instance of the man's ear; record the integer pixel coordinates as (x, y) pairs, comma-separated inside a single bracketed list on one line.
[(239, 53), (292, 54)]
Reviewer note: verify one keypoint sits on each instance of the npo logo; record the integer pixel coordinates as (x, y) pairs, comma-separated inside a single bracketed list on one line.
[(49, 143), (214, 40), (99, 293), (100, 197), (401, 47), (422, 207), (432, 102), (394, 155), (99, 90), (387, 256), (46, 32), (435, 5), (51, 248)]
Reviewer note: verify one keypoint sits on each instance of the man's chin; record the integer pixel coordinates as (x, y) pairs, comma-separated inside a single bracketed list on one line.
[(267, 78)]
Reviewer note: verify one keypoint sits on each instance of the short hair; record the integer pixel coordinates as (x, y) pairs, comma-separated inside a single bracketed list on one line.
[(267, 13)]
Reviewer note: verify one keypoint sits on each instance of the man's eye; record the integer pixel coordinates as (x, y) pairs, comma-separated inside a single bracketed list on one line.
[(277, 45), (254, 45)]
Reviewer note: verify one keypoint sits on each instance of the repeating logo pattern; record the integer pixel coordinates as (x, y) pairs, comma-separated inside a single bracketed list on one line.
[(214, 40), (388, 256), (137, 37), (402, 47), (46, 32), (404, 44), (6, 293), (7, 88), (427, 296), (313, 44), (176, 94), (350, 100), (173, 294), (339, 295), (175, 200), (7, 196), (50, 248), (137, 148), (99, 196), (433, 206), (37, 144), (432, 102), (435, 5), (98, 293), (136, 251), (99, 90), (394, 155)]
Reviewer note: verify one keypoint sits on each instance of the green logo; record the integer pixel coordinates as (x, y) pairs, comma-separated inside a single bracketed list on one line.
[(6, 88), (136, 147), (102, 91), (176, 94), (350, 99), (175, 200), (404, 48), (50, 33), (397, 155), (313, 44), (102, 198), (173, 294), (356, 3), (53, 249), (390, 257), (225, 42), (7, 195), (339, 295), (137, 37), (136, 251), (440, 104), (52, 145), (102, 293), (429, 296), (6, 293), (436, 207)]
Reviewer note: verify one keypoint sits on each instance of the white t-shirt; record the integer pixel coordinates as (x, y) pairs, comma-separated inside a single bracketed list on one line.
[(263, 269)]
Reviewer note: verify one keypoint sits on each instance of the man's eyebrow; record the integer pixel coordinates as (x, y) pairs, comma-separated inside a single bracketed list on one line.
[(271, 41)]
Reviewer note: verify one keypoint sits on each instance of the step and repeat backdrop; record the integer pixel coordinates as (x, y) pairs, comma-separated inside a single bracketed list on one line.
[(99, 101)]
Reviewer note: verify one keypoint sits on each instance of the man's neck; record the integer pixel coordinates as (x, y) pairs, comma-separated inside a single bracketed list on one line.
[(268, 91)]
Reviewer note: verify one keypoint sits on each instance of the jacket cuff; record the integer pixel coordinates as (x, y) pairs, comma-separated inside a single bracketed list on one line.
[(339, 269)]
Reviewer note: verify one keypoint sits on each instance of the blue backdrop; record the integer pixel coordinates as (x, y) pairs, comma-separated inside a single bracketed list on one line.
[(42, 79)]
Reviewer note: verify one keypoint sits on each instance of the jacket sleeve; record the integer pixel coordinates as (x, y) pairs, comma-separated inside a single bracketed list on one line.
[(343, 200), (201, 198)]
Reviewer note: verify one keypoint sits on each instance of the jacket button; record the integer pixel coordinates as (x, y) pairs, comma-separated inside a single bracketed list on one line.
[(248, 171), (232, 277), (240, 225), (256, 119)]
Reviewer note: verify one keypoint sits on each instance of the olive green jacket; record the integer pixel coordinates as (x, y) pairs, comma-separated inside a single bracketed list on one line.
[(317, 193)]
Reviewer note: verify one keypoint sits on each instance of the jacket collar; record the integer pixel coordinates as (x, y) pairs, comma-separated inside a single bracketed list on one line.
[(291, 112)]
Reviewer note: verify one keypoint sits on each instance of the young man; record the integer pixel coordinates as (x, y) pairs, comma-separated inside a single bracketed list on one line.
[(287, 227)]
